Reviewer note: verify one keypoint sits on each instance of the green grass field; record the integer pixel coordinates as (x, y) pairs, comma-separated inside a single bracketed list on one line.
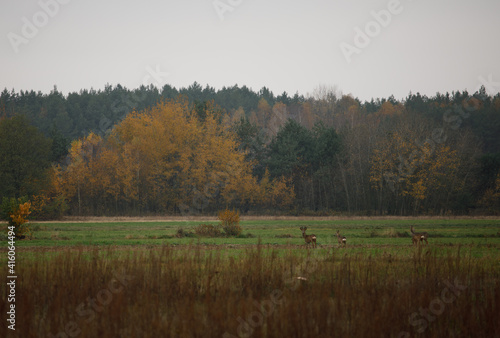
[(392, 232), (137, 279)]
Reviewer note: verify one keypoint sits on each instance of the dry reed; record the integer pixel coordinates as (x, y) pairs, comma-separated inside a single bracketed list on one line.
[(260, 291)]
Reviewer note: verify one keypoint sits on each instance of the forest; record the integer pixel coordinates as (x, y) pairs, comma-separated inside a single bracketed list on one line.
[(197, 150)]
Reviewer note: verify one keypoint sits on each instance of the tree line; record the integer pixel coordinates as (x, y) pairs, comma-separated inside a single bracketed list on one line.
[(198, 150)]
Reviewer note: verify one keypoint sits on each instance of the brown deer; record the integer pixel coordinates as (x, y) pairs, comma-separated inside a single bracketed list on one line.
[(423, 235), (308, 238), (417, 238), (342, 240)]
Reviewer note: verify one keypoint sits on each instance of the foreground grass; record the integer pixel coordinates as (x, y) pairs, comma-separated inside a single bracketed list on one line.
[(259, 291)]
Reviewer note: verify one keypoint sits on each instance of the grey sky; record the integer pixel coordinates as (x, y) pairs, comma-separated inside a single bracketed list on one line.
[(294, 46)]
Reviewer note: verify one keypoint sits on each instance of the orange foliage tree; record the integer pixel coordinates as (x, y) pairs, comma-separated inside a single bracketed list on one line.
[(16, 212), (83, 178), (164, 159), (230, 222), (401, 167)]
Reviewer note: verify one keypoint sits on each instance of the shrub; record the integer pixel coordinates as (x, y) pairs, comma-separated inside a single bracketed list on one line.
[(230, 222), (16, 212), (208, 230), (391, 232), (182, 233)]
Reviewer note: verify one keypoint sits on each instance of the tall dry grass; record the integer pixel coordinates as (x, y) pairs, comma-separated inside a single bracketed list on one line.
[(200, 291)]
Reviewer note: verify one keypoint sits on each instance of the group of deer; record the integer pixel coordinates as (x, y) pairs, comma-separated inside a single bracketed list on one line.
[(417, 237), (312, 238)]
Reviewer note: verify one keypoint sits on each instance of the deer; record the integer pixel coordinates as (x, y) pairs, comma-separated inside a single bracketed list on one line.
[(342, 240), (423, 235), (417, 238), (308, 238)]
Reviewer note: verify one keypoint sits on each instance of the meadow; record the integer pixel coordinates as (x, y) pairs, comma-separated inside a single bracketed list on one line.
[(155, 278)]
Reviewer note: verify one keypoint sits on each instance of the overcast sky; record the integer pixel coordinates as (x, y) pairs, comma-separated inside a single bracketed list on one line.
[(364, 48)]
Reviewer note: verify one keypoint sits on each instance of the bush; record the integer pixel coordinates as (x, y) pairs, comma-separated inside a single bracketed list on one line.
[(16, 212), (230, 222), (208, 230), (181, 233), (391, 232)]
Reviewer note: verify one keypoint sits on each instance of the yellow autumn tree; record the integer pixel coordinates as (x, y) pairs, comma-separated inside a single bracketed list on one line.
[(277, 193), (281, 193), (81, 180), (401, 167), (16, 211), (264, 112), (169, 158), (387, 164), (236, 116), (277, 119), (173, 159)]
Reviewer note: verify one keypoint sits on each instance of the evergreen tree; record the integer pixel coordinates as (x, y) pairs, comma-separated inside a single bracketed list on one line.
[(24, 157)]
